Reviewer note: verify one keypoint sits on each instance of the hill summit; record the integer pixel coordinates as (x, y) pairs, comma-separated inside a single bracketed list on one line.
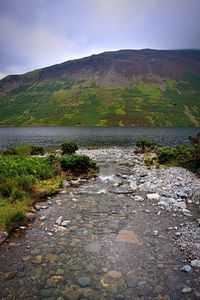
[(126, 87)]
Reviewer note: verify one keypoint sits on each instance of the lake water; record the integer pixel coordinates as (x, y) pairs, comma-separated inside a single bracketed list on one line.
[(99, 136)]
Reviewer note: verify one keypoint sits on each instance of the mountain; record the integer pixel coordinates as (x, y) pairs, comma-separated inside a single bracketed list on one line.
[(126, 87)]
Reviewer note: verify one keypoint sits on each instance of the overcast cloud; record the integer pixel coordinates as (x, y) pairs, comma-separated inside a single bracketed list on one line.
[(38, 33)]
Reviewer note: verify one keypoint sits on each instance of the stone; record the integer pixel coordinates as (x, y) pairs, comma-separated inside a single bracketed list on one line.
[(133, 185), (53, 280), (65, 223), (155, 232), (127, 236), (46, 293), (59, 220), (114, 274), (186, 268), (154, 196), (42, 218), (84, 281), (30, 216), (9, 275), (138, 198), (3, 236), (180, 204), (195, 263), (186, 290), (93, 247), (38, 259), (37, 207)]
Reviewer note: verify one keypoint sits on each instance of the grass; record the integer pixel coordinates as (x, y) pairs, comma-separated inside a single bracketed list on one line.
[(25, 179), (65, 102)]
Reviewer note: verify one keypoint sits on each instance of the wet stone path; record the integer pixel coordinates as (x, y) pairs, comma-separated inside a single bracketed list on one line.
[(123, 235)]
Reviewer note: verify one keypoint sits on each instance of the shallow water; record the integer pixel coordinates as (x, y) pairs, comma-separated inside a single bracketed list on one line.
[(87, 260), (98, 136)]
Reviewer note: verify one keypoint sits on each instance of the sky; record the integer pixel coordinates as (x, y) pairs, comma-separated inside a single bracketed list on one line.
[(39, 33)]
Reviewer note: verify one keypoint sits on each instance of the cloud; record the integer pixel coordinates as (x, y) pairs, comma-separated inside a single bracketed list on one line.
[(39, 33)]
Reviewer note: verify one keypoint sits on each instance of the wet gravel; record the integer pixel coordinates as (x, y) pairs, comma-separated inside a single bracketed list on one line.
[(105, 238)]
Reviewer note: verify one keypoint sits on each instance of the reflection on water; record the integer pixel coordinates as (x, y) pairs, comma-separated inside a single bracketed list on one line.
[(98, 136)]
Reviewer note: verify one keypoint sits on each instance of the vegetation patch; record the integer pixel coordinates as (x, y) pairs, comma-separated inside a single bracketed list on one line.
[(25, 179), (187, 156)]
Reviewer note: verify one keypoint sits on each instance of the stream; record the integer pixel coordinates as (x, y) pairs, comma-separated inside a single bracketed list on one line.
[(103, 239)]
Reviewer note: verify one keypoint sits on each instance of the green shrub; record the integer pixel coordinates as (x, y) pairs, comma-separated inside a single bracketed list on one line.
[(77, 164), (166, 154), (26, 182), (37, 150), (144, 144), (10, 151), (195, 142), (69, 147)]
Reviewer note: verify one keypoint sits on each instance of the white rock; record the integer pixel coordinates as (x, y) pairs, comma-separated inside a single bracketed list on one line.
[(195, 263), (186, 290), (64, 223), (133, 185), (42, 218), (155, 232), (186, 268), (59, 220), (154, 196)]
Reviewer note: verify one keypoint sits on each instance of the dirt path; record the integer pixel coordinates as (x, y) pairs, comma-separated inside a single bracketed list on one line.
[(105, 240)]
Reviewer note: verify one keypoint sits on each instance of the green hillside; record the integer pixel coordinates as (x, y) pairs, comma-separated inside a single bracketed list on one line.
[(71, 101)]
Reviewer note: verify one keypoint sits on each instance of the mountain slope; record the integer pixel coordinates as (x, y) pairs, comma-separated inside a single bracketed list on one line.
[(126, 87)]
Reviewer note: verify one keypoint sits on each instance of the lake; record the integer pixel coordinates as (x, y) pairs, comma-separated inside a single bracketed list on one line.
[(98, 136)]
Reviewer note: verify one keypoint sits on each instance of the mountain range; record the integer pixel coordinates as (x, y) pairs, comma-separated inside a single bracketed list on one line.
[(126, 87)]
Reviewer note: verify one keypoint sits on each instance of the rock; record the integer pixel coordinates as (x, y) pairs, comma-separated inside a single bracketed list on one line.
[(3, 236), (186, 290), (133, 185), (37, 207), (93, 247), (181, 194), (75, 183), (114, 274), (180, 204), (42, 218), (53, 280), (84, 281), (64, 223), (22, 227), (155, 232), (9, 275), (186, 268), (127, 236), (195, 263), (44, 206), (30, 216), (38, 259), (46, 293), (154, 196), (138, 198), (59, 220)]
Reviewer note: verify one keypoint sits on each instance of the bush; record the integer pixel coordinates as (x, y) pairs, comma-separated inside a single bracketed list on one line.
[(195, 142), (77, 164), (10, 151), (144, 144), (166, 154), (37, 150), (69, 147)]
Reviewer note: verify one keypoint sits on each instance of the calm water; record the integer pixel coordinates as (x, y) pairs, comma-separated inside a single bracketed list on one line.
[(99, 136)]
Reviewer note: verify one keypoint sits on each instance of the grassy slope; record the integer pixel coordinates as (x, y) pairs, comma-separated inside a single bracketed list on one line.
[(65, 102)]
